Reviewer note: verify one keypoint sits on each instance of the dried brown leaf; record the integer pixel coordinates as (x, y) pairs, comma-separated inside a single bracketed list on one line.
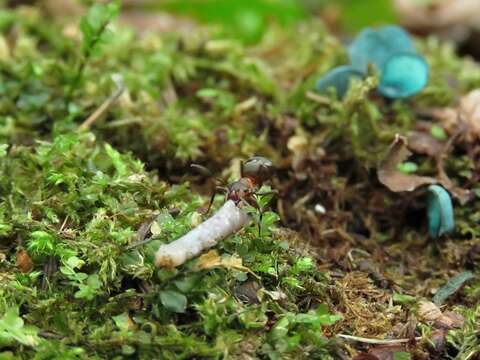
[(24, 261), (469, 110), (383, 352), (463, 195), (449, 320), (437, 339), (395, 180), (465, 117), (428, 311), (387, 352), (423, 143), (211, 260), (248, 292), (155, 229)]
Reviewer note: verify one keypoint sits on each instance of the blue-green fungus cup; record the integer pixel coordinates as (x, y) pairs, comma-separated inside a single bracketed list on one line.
[(403, 74), (366, 48), (339, 78), (377, 46), (439, 212), (396, 38)]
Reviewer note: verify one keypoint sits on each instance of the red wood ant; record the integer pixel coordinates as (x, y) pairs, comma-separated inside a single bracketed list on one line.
[(254, 172)]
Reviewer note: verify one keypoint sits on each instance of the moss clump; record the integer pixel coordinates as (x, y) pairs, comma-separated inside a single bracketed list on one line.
[(82, 211)]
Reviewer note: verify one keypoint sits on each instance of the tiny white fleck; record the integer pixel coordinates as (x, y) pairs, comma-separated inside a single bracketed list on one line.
[(320, 209)]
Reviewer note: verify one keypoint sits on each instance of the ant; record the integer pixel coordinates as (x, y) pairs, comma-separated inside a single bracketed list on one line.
[(254, 172)]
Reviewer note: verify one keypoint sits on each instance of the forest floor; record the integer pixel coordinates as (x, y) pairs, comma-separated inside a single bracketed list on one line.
[(100, 121)]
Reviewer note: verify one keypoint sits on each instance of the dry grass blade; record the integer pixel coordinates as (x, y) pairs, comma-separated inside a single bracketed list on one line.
[(376, 341), (106, 104)]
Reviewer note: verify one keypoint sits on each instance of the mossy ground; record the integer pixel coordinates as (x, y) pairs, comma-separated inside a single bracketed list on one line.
[(83, 212)]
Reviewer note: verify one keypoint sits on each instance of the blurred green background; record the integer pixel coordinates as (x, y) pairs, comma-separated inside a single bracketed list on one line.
[(248, 19)]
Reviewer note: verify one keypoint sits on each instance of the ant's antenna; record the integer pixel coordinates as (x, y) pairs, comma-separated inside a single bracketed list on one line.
[(202, 170)]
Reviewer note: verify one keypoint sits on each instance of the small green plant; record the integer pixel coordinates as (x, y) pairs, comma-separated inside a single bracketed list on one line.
[(94, 27), (295, 330), (13, 329), (88, 285)]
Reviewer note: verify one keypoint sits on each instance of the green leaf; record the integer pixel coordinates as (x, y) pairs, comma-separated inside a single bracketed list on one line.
[(12, 328), (122, 321), (116, 159), (5, 229), (207, 93), (438, 133), (401, 355), (452, 286), (93, 25), (42, 242), (324, 317), (3, 150), (407, 167), (94, 282), (173, 301), (303, 265), (403, 299), (74, 262)]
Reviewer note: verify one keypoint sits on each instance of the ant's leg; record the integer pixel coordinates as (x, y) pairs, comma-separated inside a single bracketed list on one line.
[(241, 168), (202, 170), (212, 198)]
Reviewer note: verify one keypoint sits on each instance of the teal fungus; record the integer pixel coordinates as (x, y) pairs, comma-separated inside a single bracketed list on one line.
[(339, 78), (439, 211), (376, 47), (403, 72)]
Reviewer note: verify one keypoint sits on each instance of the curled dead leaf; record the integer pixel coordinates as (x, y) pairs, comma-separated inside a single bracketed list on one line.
[(396, 181), (428, 311), (465, 117), (391, 177), (423, 143), (449, 320)]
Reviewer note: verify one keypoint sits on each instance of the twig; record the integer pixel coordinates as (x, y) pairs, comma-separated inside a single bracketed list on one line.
[(106, 104), (226, 221), (376, 341)]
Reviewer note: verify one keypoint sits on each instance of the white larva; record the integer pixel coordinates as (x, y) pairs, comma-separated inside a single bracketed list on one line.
[(226, 221)]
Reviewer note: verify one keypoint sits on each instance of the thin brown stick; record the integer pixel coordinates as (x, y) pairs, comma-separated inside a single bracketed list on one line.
[(102, 109)]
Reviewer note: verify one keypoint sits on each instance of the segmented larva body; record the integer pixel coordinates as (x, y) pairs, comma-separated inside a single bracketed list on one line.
[(226, 221)]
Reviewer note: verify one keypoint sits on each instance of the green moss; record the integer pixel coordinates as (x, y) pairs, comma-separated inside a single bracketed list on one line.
[(92, 207)]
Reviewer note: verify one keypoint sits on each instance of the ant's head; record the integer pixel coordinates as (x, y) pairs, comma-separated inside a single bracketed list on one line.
[(258, 169)]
